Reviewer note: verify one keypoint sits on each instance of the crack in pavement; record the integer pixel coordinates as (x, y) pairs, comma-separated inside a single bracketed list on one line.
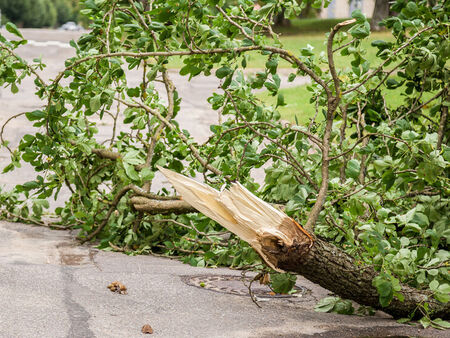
[(78, 316)]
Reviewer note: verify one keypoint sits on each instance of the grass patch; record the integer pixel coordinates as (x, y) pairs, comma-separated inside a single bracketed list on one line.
[(310, 25), (298, 105), (294, 43)]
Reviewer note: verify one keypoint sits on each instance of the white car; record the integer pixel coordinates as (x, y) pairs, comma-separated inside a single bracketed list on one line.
[(70, 26)]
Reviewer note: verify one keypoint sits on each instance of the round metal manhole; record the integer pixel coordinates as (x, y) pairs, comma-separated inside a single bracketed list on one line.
[(237, 285)]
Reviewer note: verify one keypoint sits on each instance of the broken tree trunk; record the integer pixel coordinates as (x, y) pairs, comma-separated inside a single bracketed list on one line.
[(333, 269), (285, 246)]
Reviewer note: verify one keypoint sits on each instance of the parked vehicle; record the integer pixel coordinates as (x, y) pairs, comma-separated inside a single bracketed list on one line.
[(70, 26)]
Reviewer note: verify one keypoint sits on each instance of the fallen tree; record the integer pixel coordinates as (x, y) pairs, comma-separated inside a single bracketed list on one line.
[(284, 245), (366, 176)]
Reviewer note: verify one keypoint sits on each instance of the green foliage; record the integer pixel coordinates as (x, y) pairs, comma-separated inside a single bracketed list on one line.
[(3, 19), (64, 10), (282, 282), (342, 306), (387, 202), (336, 305)]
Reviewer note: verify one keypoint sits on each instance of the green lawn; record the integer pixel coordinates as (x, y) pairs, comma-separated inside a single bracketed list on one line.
[(294, 43), (298, 105), (309, 25)]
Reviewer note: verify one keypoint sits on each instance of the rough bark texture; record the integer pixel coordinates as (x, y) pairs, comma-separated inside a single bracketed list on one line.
[(154, 207), (443, 121), (330, 267)]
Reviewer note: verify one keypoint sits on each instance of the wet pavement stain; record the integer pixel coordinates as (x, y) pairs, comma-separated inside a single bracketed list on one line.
[(72, 259), (72, 255)]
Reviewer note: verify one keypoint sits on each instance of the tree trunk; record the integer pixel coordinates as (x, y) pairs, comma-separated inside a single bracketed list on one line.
[(281, 21), (380, 12)]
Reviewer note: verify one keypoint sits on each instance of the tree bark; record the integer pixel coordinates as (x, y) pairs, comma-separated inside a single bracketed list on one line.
[(380, 12), (281, 21), (153, 207), (443, 121)]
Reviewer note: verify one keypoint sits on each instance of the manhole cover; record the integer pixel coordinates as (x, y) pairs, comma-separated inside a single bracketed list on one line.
[(235, 285)]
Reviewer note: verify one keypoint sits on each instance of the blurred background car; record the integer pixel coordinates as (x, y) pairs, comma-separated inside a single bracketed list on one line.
[(70, 26)]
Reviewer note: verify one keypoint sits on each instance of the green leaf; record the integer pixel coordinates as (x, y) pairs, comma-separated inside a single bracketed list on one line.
[(30, 185), (388, 179), (334, 304), (14, 88), (403, 320), (425, 322), (155, 25), (132, 156), (223, 71), (385, 290), (282, 282), (131, 172), (35, 115), (272, 65), (444, 288), (429, 171), (356, 207), (420, 219), (440, 323), (42, 202), (353, 168), (383, 213), (147, 174), (442, 297), (359, 16), (326, 304), (360, 31), (94, 103), (280, 100), (344, 307), (12, 28), (434, 285), (411, 9)]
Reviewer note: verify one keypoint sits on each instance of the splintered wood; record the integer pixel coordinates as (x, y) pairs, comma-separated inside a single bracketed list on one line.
[(268, 230)]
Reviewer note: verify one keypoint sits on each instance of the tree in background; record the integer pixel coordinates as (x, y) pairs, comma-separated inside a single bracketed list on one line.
[(65, 11), (39, 13), (380, 12), (50, 17), (14, 9)]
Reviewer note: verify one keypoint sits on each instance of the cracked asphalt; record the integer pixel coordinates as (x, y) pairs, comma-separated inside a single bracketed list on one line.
[(51, 286)]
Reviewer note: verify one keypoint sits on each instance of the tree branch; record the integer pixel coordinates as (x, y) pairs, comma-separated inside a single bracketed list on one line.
[(443, 121)]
